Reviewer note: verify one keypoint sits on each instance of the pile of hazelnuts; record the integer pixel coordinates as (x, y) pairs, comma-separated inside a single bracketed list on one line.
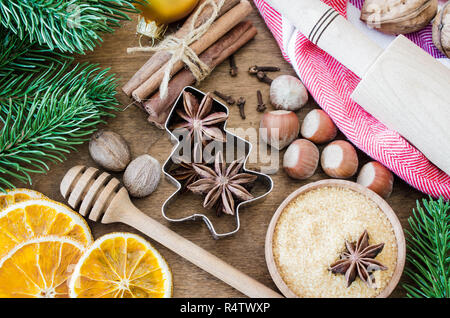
[(339, 159)]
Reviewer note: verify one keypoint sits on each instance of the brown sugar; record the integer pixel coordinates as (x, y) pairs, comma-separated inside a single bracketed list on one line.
[(310, 235)]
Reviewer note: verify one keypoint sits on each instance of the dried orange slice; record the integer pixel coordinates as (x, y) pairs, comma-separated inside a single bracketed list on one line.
[(39, 267), (39, 217), (18, 195), (121, 265)]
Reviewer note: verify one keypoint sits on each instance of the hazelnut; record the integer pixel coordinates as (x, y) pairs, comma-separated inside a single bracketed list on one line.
[(318, 127), (288, 93), (279, 128), (301, 159), (339, 159), (376, 177)]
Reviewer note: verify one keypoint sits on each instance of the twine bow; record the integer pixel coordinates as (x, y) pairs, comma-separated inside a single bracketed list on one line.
[(180, 50)]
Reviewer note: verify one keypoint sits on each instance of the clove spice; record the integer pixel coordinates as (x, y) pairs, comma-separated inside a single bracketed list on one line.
[(262, 77), (227, 98), (261, 106), (241, 103), (253, 70), (233, 67)]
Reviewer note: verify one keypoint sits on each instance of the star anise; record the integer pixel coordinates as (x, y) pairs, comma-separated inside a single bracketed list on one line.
[(185, 173), (359, 259), (222, 184), (199, 120)]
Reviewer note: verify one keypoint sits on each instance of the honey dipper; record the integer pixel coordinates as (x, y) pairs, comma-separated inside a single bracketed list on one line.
[(102, 198)]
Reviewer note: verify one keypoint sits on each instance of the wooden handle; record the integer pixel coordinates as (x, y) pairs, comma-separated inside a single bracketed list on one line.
[(331, 32), (409, 91), (122, 210)]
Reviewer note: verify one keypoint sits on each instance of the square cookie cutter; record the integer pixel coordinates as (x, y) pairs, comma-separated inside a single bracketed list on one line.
[(262, 178)]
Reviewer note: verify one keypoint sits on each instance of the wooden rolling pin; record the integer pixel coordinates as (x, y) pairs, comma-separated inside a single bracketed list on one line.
[(101, 198), (402, 86)]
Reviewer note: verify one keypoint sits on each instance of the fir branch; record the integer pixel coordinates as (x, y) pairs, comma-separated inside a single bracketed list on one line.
[(26, 67), (429, 250), (20, 55), (67, 25), (47, 106), (44, 126)]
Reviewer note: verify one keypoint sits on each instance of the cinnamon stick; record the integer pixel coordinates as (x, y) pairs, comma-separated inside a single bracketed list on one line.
[(158, 109), (158, 59), (219, 28), (160, 120)]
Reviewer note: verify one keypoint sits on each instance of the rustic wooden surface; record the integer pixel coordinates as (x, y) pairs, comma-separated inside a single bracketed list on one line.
[(245, 250)]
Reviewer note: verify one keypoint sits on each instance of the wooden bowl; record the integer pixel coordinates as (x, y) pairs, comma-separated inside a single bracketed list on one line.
[(384, 207)]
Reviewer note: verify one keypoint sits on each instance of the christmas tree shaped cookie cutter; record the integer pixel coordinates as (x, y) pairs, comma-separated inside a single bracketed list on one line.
[(241, 145)]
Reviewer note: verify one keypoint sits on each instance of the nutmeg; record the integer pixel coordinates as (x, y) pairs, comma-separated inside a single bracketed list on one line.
[(441, 30), (288, 93), (301, 159), (109, 150), (339, 159), (318, 127), (279, 128), (376, 177), (142, 176), (398, 16)]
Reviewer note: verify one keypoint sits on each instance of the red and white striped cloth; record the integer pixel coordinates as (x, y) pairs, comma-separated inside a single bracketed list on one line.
[(331, 84)]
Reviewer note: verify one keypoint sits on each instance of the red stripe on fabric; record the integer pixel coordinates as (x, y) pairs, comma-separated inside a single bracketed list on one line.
[(331, 85)]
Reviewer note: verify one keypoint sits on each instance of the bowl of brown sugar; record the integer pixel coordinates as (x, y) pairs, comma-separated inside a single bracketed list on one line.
[(335, 238)]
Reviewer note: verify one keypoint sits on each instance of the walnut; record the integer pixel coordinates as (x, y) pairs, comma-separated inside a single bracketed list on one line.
[(441, 30), (398, 16)]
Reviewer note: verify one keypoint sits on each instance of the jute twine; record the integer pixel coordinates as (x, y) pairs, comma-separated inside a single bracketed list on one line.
[(180, 50)]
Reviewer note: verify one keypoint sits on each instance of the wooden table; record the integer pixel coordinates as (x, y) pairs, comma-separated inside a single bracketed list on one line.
[(245, 250)]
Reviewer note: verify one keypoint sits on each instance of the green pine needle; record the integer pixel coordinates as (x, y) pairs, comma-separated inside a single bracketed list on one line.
[(429, 250), (18, 55), (46, 126), (66, 25), (47, 106), (25, 67)]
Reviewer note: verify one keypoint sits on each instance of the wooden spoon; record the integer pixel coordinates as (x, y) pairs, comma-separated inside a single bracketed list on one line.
[(101, 197)]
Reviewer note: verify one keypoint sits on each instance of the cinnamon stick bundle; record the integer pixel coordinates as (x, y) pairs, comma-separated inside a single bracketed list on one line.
[(215, 32), (159, 110), (158, 59)]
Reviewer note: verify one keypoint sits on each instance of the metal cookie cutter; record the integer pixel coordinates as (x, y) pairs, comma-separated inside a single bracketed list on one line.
[(263, 179)]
